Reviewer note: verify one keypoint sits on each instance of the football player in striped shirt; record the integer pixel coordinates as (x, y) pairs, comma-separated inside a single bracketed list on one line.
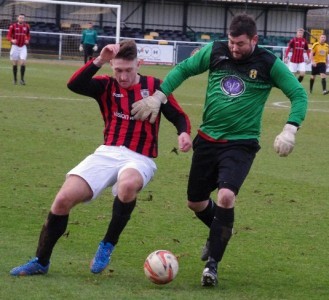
[(19, 36), (124, 161), (297, 63)]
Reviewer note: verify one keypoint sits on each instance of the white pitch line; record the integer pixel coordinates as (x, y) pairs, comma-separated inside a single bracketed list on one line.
[(286, 104), (46, 98), (278, 104)]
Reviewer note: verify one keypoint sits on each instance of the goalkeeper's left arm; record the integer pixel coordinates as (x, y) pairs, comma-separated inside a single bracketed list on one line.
[(285, 80)]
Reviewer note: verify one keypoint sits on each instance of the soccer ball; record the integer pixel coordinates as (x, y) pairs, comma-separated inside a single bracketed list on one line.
[(161, 266)]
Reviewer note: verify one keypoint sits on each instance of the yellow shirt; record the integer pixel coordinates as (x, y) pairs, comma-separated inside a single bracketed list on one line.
[(320, 52)]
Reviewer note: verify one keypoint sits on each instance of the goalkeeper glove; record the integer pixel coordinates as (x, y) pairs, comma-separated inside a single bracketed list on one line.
[(80, 48), (149, 106), (284, 143), (95, 48)]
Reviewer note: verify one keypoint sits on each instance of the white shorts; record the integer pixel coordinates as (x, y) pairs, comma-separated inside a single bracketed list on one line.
[(294, 67), (18, 53), (102, 168)]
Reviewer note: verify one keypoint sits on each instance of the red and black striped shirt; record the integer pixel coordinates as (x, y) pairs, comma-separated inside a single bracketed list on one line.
[(298, 46), (115, 104), (20, 33)]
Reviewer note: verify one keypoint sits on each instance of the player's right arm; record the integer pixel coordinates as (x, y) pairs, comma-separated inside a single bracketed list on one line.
[(313, 52), (194, 65), (83, 83), (287, 51), (10, 34)]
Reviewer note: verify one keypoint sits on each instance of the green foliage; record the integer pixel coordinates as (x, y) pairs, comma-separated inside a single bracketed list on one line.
[(279, 247)]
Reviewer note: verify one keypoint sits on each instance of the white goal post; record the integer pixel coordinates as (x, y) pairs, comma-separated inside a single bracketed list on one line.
[(83, 4), (56, 26)]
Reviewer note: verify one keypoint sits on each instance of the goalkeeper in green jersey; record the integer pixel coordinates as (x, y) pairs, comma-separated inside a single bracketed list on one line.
[(240, 77), (88, 42)]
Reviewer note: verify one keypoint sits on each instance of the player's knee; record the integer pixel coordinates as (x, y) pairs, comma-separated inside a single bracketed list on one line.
[(128, 188), (63, 203), (197, 206), (226, 198)]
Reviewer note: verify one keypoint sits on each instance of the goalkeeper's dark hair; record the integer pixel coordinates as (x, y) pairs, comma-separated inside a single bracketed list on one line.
[(128, 50), (243, 24)]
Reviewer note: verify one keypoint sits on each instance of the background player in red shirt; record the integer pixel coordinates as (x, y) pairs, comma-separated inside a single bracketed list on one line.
[(124, 161), (298, 45), (19, 36)]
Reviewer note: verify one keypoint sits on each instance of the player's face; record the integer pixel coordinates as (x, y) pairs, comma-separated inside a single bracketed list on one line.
[(322, 39), (241, 46), (300, 33), (20, 19), (125, 72)]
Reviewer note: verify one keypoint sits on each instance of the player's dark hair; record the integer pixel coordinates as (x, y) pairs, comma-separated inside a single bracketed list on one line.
[(243, 24), (128, 50)]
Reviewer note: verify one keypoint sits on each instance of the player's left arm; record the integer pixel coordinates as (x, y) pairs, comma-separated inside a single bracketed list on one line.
[(292, 88), (308, 52), (27, 35), (176, 115), (96, 37), (95, 47)]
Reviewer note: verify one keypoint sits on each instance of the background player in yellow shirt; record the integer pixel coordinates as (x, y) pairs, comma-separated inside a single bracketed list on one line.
[(320, 61)]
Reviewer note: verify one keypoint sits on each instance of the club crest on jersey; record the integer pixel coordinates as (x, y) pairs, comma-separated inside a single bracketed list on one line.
[(232, 85), (145, 93), (253, 74)]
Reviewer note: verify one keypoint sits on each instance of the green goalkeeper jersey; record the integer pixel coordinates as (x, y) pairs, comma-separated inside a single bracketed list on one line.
[(238, 89), (89, 36)]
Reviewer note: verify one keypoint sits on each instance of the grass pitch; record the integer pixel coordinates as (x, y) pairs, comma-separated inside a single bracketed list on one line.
[(280, 243)]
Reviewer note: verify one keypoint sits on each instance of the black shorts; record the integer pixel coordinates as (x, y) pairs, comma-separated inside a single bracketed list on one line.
[(219, 165), (88, 49), (320, 68)]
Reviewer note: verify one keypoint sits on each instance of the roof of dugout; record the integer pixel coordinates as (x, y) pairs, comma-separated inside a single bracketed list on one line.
[(317, 4)]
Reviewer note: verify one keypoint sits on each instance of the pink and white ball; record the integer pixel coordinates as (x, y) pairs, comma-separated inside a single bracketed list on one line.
[(161, 266)]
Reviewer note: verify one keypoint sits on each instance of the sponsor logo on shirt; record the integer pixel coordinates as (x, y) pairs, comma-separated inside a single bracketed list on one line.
[(145, 93), (232, 85), (122, 116), (117, 95)]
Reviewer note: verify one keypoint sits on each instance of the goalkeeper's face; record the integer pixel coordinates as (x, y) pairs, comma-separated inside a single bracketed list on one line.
[(125, 71), (242, 46)]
